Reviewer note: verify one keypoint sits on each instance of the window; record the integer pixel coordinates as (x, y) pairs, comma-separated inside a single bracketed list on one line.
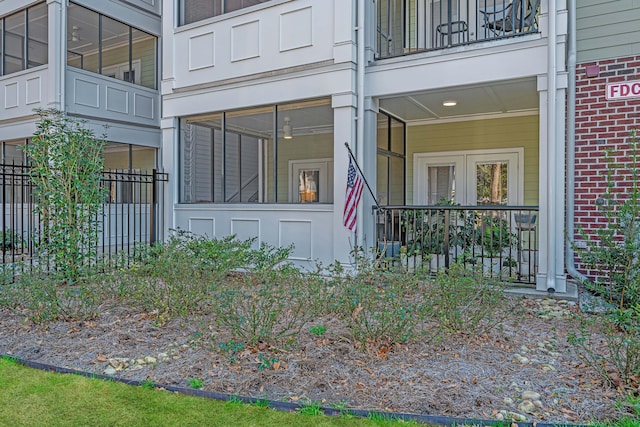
[(239, 157), (37, 49), (105, 46), (390, 160), (197, 10), (15, 30), (23, 39)]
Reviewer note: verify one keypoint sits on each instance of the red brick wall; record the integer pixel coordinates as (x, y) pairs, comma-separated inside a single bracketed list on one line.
[(601, 125)]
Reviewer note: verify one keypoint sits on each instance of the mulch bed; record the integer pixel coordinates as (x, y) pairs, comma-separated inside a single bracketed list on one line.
[(467, 376)]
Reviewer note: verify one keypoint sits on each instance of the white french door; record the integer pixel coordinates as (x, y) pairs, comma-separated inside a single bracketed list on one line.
[(470, 178)]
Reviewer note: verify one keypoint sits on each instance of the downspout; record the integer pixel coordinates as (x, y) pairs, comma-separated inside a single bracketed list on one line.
[(571, 145), (551, 144), (360, 29)]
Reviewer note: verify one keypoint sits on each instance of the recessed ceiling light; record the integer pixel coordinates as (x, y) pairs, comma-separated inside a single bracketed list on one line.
[(449, 103)]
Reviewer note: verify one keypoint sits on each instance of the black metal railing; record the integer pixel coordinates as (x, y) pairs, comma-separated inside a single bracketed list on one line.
[(131, 215), (405, 27), (502, 240)]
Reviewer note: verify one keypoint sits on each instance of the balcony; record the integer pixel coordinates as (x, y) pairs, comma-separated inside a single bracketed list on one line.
[(405, 27), (500, 240)]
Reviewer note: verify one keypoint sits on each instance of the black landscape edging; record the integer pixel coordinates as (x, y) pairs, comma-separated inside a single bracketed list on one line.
[(289, 406)]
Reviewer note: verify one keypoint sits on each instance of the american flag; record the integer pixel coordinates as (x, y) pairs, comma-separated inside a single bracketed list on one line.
[(355, 185)]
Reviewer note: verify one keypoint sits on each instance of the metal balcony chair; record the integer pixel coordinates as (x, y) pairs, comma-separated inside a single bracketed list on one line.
[(446, 31), (517, 16)]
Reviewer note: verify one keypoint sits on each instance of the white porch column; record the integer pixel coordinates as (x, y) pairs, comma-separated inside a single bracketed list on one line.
[(169, 161), (167, 61), (344, 130), (57, 52), (370, 169)]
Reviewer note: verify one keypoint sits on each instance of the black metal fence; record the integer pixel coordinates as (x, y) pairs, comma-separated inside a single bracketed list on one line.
[(131, 215), (501, 240), (405, 27)]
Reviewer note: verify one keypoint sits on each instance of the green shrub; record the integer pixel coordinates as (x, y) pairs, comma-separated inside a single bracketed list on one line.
[(66, 169), (43, 300), (619, 363), (381, 305), (613, 253), (271, 302), (464, 300), (176, 278)]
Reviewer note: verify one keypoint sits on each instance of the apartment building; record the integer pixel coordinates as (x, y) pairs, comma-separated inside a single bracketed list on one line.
[(96, 60), (252, 108), (457, 100)]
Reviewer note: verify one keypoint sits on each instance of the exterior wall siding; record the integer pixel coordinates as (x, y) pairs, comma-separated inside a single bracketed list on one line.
[(480, 134), (607, 29)]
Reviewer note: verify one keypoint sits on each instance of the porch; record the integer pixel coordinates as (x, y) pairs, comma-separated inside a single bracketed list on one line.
[(410, 26), (502, 241)]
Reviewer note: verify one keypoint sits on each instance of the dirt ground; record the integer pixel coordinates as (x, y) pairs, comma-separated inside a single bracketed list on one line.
[(524, 367)]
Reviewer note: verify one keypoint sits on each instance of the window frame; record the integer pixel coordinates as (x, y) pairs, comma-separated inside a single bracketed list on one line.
[(273, 166), (180, 11), (25, 43)]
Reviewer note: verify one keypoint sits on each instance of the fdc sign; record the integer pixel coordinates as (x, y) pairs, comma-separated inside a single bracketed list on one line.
[(623, 90)]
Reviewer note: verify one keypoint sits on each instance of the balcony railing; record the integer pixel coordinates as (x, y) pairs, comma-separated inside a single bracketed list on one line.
[(501, 240), (410, 26)]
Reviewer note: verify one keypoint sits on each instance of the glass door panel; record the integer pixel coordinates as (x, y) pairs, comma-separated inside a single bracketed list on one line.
[(441, 184), (468, 179), (492, 179), (491, 183)]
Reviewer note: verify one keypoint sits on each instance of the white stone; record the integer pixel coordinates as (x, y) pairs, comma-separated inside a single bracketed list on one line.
[(110, 370), (516, 417), (527, 407), (530, 395)]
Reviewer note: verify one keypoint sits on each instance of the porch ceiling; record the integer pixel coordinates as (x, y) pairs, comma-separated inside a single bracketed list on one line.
[(497, 98)]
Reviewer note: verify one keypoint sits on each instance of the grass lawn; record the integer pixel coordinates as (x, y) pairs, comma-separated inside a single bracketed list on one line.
[(29, 397)]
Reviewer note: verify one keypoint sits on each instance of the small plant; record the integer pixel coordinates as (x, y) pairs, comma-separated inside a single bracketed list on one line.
[(342, 409), (463, 300), (318, 330), (620, 364), (11, 241), (272, 302), (265, 362), (495, 235), (231, 349), (381, 417), (381, 306), (612, 248), (235, 400), (196, 383), (311, 408), (261, 403), (9, 359), (148, 384)]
